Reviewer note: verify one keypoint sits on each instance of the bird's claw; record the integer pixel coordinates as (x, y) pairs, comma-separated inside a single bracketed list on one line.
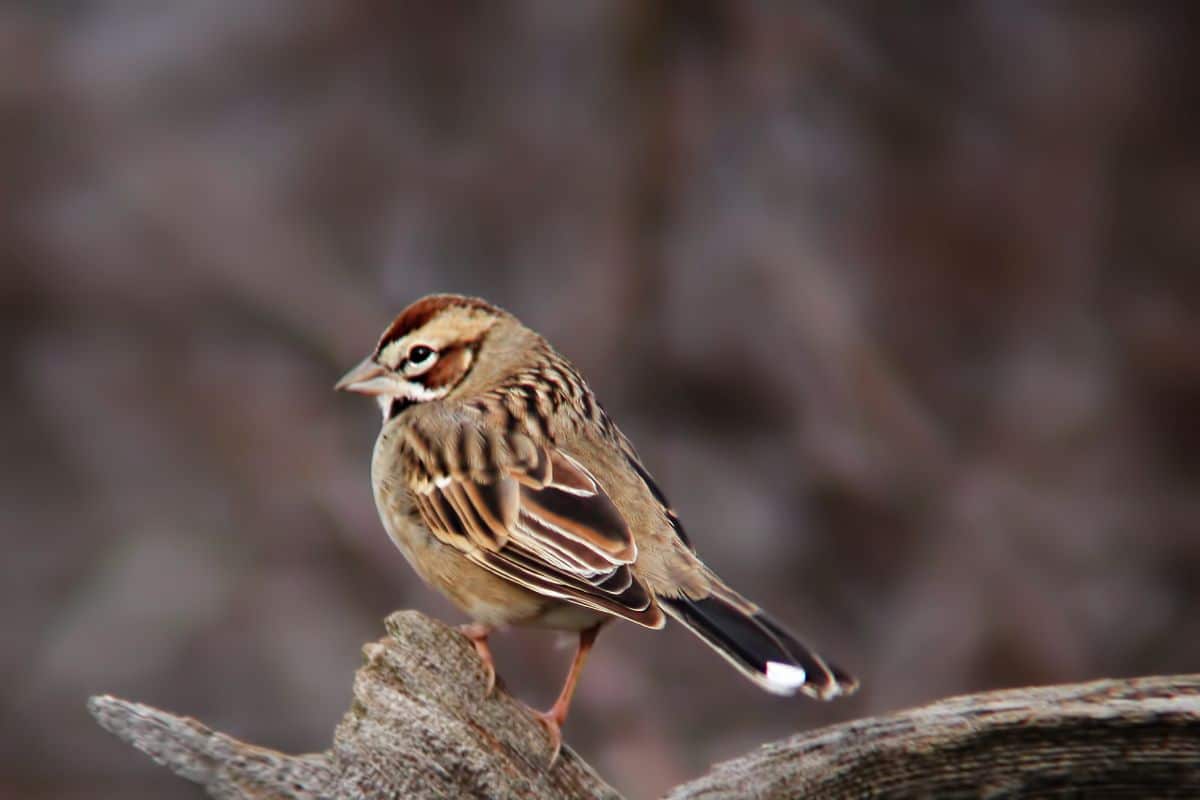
[(478, 634), (551, 721)]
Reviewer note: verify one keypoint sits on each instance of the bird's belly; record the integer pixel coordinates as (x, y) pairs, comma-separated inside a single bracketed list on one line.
[(563, 616)]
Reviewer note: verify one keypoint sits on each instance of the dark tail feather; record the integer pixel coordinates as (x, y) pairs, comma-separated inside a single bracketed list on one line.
[(843, 682), (762, 650)]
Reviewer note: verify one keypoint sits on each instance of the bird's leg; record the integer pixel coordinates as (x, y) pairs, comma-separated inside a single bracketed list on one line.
[(556, 715), (478, 634)]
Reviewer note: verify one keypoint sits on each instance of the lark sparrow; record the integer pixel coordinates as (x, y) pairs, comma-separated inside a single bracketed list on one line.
[(508, 488)]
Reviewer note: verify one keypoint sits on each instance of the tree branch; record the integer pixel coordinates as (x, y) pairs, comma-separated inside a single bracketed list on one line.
[(421, 727), (1113, 738)]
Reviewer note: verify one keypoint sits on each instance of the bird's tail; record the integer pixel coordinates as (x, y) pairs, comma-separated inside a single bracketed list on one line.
[(758, 646)]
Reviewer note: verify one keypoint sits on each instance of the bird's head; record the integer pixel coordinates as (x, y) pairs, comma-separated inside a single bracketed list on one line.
[(427, 351)]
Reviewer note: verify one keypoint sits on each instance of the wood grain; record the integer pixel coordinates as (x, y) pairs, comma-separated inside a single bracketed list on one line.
[(421, 727)]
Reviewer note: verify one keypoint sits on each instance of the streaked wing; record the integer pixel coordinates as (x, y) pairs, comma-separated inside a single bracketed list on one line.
[(542, 520)]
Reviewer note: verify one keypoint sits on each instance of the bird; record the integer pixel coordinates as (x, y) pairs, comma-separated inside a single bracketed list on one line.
[(508, 488)]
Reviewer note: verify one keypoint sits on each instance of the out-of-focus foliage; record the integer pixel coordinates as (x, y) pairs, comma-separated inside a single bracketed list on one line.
[(898, 302)]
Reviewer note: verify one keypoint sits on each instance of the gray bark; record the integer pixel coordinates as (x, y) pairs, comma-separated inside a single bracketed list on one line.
[(421, 727), (1136, 738)]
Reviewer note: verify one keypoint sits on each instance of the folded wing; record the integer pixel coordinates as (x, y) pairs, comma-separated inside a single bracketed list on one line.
[(542, 521)]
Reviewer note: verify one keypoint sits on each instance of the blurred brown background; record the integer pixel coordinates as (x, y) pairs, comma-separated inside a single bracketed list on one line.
[(899, 304)]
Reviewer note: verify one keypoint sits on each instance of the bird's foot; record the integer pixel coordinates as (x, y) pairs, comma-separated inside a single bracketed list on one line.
[(478, 634), (552, 721)]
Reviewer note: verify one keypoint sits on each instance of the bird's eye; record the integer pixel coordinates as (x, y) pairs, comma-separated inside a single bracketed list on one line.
[(419, 354)]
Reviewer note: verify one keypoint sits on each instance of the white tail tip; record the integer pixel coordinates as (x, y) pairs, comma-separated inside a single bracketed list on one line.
[(785, 676)]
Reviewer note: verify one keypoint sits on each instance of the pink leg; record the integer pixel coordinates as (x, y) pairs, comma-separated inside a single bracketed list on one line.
[(478, 634), (554, 718)]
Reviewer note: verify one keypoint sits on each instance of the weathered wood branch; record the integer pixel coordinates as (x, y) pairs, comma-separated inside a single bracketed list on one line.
[(1135, 738), (421, 727)]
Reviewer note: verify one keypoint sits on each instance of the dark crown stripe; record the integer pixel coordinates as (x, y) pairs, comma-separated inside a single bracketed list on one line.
[(426, 309)]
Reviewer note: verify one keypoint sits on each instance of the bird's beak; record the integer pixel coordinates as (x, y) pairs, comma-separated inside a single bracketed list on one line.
[(367, 378)]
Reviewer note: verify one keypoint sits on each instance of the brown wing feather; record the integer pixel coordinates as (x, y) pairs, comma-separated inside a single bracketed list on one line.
[(543, 522), (635, 604)]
